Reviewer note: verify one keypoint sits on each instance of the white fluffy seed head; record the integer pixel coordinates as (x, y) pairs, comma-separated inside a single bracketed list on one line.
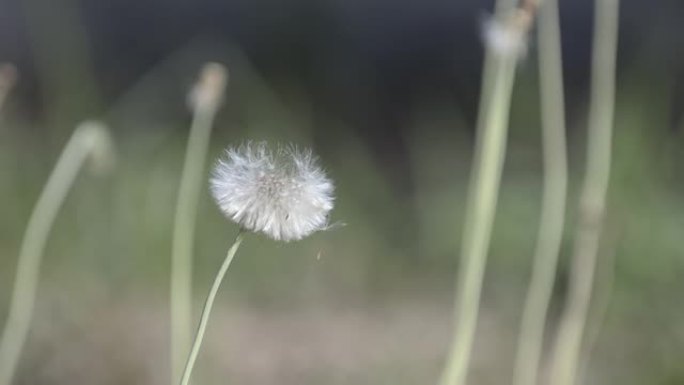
[(283, 193)]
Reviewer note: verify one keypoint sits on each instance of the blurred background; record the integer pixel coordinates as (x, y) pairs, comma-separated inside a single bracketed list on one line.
[(386, 93)]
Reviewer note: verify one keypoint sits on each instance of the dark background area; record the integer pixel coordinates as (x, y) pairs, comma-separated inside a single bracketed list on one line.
[(344, 53), (362, 62)]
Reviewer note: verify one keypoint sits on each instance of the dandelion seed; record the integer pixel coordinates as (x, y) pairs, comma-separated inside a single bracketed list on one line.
[(283, 194)]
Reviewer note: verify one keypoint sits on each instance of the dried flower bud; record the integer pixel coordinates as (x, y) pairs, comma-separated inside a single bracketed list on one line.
[(8, 77), (207, 93), (283, 194), (99, 145), (506, 37)]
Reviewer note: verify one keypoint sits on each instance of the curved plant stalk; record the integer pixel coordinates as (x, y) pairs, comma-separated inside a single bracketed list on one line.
[(206, 311), (90, 140), (550, 236), (568, 344), (205, 100), (600, 305), (502, 55)]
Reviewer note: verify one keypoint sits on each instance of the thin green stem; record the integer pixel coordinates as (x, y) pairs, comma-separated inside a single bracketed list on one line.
[(86, 140), (603, 291), (481, 205), (206, 311), (553, 201), (208, 94), (184, 235), (592, 201)]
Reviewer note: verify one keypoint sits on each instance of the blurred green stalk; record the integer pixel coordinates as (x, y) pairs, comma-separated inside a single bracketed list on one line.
[(205, 99), (550, 234), (206, 311), (593, 199), (498, 79), (89, 140)]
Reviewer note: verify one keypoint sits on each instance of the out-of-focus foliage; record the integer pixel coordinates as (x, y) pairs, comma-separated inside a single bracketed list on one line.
[(367, 301)]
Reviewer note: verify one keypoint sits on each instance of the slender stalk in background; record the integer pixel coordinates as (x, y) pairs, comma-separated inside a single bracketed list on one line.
[(505, 39), (600, 304), (593, 199), (205, 100), (89, 140), (206, 311), (550, 236)]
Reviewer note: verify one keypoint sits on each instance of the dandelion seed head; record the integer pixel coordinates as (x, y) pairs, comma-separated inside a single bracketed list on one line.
[(283, 193)]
